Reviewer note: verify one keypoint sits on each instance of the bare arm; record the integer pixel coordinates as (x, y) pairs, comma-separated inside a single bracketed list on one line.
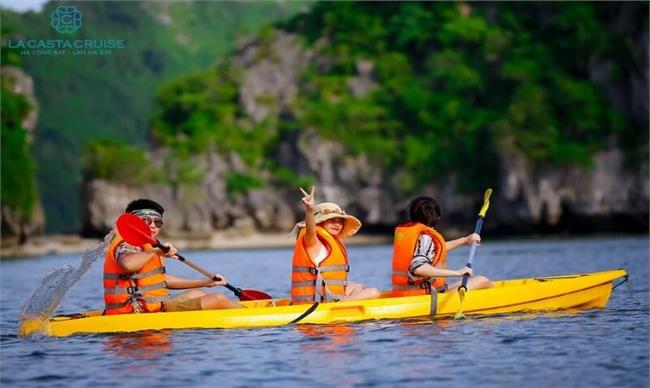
[(310, 220), (177, 283), (467, 240), (133, 262), (429, 271)]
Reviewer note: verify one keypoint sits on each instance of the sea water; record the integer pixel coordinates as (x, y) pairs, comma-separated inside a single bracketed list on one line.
[(593, 348)]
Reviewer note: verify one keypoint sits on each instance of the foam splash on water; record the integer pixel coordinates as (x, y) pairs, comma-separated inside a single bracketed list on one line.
[(55, 285)]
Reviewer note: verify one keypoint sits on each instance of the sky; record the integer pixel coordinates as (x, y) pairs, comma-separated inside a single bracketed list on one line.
[(23, 5)]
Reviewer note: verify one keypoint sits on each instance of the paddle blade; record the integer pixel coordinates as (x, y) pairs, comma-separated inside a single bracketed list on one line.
[(461, 295), (486, 202), (133, 230), (253, 295)]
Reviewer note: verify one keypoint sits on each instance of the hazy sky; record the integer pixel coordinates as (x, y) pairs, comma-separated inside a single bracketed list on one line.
[(23, 5)]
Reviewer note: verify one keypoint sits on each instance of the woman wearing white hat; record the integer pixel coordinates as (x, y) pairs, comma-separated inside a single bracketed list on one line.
[(320, 261)]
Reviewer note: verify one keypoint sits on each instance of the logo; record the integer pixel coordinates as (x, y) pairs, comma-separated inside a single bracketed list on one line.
[(66, 19)]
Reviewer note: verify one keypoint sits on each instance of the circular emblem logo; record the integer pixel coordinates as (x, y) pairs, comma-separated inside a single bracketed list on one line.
[(66, 19)]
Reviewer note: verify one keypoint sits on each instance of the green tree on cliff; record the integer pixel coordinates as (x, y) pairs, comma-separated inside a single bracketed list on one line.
[(18, 169)]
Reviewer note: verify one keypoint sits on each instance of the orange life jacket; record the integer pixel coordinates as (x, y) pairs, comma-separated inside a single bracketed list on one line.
[(331, 273), (141, 291), (406, 238)]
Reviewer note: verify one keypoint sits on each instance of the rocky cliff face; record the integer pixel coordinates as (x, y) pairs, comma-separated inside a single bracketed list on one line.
[(607, 197), (15, 229), (527, 197), (192, 211)]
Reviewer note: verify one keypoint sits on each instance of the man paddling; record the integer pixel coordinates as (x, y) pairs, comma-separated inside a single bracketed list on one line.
[(135, 280)]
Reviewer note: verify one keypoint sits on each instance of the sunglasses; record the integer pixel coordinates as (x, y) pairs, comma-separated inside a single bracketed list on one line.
[(156, 221)]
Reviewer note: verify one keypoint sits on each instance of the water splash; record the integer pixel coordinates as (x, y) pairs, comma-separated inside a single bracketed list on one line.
[(47, 297)]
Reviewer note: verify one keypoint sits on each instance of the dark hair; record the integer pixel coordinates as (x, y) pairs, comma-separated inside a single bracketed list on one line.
[(425, 210), (142, 203)]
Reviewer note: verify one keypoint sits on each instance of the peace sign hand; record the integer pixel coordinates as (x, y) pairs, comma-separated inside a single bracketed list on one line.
[(308, 199)]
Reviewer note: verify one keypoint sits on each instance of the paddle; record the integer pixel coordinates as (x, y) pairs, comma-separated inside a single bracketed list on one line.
[(472, 251), (135, 232)]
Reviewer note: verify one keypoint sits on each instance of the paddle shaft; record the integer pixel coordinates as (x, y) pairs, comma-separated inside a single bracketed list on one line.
[(237, 291), (472, 250), (477, 230)]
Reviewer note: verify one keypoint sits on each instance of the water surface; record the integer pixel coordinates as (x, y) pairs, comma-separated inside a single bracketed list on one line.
[(607, 347)]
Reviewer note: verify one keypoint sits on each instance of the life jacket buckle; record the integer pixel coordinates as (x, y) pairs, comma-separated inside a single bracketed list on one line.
[(425, 285), (313, 270), (132, 290)]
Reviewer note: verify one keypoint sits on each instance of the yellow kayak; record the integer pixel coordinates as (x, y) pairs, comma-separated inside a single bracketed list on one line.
[(580, 291)]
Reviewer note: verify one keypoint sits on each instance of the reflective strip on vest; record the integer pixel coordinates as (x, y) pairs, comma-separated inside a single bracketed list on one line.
[(327, 268), (332, 268), (127, 290), (336, 282), (311, 270), (111, 306), (156, 271), (308, 283), (113, 276)]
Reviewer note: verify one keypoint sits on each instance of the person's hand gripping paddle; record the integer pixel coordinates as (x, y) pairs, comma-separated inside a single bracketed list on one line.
[(477, 229), (135, 232)]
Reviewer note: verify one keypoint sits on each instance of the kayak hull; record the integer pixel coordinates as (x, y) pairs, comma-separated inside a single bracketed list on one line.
[(581, 291)]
